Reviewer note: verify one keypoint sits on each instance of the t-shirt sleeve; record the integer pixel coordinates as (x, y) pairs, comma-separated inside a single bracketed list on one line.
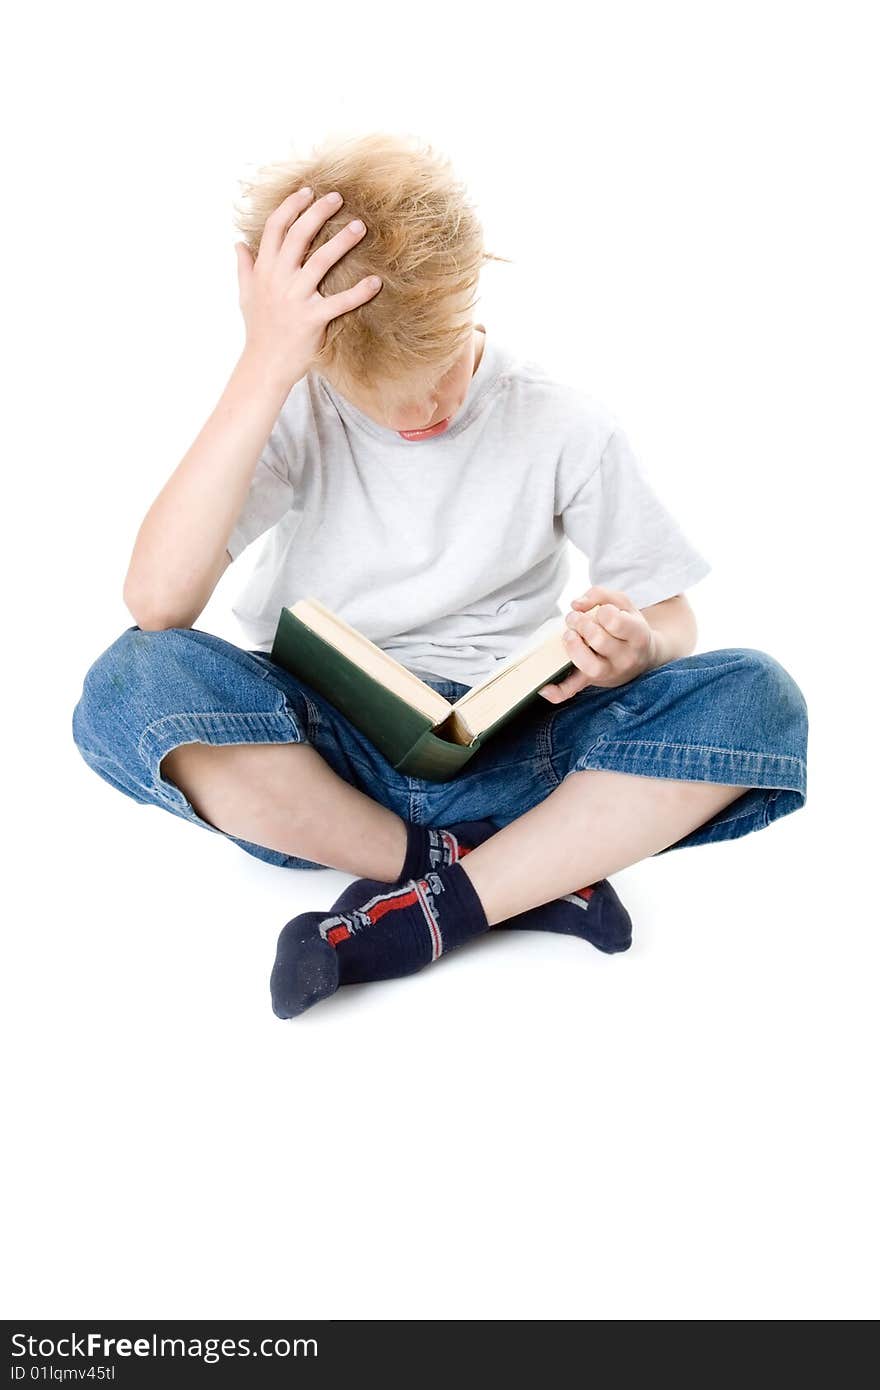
[(633, 544), (269, 497)]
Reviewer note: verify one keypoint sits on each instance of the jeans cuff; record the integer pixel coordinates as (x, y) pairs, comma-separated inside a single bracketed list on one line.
[(222, 727), (689, 762)]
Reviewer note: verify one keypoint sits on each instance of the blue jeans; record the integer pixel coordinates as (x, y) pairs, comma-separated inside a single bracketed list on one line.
[(731, 716)]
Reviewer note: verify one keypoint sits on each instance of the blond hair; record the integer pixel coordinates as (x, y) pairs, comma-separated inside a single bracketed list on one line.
[(423, 238)]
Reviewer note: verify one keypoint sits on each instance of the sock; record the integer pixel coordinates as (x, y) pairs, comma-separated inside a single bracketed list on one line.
[(594, 913), (429, 848), (395, 932)]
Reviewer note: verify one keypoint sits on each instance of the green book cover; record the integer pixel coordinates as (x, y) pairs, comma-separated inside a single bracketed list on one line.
[(407, 737)]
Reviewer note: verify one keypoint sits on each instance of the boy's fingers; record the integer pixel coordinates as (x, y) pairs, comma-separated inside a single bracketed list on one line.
[(597, 594), (597, 638), (561, 690), (604, 630), (589, 664), (623, 624), (283, 217), (350, 299), (583, 658)]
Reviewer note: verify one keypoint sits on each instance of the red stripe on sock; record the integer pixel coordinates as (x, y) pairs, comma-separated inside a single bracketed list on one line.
[(390, 904), (337, 934)]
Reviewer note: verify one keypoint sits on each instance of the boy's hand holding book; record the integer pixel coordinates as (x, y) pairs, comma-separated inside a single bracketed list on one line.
[(608, 645)]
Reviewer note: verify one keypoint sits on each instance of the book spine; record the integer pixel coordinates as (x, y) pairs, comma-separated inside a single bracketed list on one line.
[(434, 759), (391, 724)]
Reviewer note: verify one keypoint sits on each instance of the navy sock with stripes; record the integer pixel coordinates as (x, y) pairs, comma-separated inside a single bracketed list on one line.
[(428, 847), (394, 932), (594, 913)]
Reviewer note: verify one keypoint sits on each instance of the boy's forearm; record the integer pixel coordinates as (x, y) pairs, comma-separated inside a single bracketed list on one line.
[(674, 627), (179, 552)]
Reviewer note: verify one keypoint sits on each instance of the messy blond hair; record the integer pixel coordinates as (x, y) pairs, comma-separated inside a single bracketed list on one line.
[(423, 238)]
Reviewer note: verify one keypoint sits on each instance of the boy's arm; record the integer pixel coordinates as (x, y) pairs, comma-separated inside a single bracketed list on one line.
[(179, 553), (180, 550), (674, 627)]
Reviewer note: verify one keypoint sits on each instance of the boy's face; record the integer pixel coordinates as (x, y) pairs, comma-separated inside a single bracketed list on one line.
[(430, 415)]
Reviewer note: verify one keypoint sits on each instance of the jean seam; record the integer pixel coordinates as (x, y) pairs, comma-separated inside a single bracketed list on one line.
[(313, 718), (545, 750), (716, 834), (701, 748), (756, 763), (726, 820)]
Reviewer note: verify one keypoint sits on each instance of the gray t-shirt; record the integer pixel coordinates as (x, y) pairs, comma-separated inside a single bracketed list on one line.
[(450, 552)]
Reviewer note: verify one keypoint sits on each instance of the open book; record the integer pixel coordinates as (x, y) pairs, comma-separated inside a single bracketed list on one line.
[(418, 731)]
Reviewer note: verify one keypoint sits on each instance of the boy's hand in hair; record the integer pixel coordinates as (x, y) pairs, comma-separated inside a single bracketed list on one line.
[(284, 312)]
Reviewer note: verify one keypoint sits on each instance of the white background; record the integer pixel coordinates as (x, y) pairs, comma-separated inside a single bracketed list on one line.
[(527, 1129)]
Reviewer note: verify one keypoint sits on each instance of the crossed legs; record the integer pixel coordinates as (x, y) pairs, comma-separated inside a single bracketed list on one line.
[(286, 797)]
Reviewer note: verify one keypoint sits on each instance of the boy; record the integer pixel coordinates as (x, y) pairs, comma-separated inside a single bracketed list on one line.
[(422, 481)]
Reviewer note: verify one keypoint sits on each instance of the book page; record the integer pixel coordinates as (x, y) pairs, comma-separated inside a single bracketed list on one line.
[(372, 659), (524, 672), (550, 628)]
